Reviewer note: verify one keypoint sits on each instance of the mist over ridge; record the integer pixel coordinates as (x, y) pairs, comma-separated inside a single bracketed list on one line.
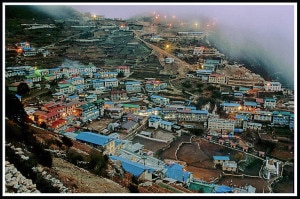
[(259, 35)]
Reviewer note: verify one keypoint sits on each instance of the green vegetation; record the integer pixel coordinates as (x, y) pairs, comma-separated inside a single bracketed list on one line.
[(98, 162), (196, 132), (73, 156)]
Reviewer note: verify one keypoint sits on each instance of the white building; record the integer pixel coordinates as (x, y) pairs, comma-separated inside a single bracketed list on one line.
[(269, 103), (217, 79), (272, 86), (220, 124)]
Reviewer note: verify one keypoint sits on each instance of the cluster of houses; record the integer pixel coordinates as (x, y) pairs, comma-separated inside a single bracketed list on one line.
[(77, 100)]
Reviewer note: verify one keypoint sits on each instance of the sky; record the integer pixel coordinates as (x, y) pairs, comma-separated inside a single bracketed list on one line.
[(263, 30)]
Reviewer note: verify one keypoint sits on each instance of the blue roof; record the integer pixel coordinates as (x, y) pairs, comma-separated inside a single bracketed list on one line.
[(223, 189), (244, 89), (155, 116), (132, 82), (250, 104), (275, 113), (191, 107), (200, 111), (110, 79), (221, 157), (237, 94), (270, 100), (230, 104), (203, 71), (156, 97), (132, 167), (93, 138), (237, 130), (166, 123), (73, 96), (241, 117), (175, 171)]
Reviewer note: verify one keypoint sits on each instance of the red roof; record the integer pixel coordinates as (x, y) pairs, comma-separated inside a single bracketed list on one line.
[(71, 129), (57, 123), (51, 114), (55, 109), (125, 67)]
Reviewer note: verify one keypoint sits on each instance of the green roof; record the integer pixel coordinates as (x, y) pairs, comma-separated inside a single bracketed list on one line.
[(63, 85), (130, 105)]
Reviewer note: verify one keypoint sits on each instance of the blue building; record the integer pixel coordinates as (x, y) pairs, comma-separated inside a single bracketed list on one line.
[(281, 118), (133, 86), (177, 172)]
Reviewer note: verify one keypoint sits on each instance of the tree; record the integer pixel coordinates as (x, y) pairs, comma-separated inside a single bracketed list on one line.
[(120, 74), (23, 89), (67, 141), (14, 108), (238, 156)]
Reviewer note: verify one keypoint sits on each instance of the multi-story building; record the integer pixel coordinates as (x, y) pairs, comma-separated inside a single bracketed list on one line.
[(281, 118), (231, 107), (19, 71), (166, 125), (262, 116), (111, 83), (88, 111), (217, 79), (159, 100), (133, 86), (77, 80), (272, 86), (269, 103), (124, 69), (130, 108), (249, 106), (154, 85), (33, 78), (98, 141), (65, 88), (118, 95), (220, 124), (192, 115)]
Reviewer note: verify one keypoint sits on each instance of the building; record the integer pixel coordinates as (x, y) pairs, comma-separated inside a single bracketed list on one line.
[(220, 160), (159, 100), (108, 144), (249, 106), (220, 124), (130, 108), (203, 74), (269, 103), (229, 166), (65, 88), (118, 95), (124, 69), (262, 116), (154, 121), (192, 115), (217, 79), (177, 172), (154, 85), (139, 170), (133, 86), (231, 107), (272, 86), (281, 118), (88, 111), (19, 71), (166, 125)]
